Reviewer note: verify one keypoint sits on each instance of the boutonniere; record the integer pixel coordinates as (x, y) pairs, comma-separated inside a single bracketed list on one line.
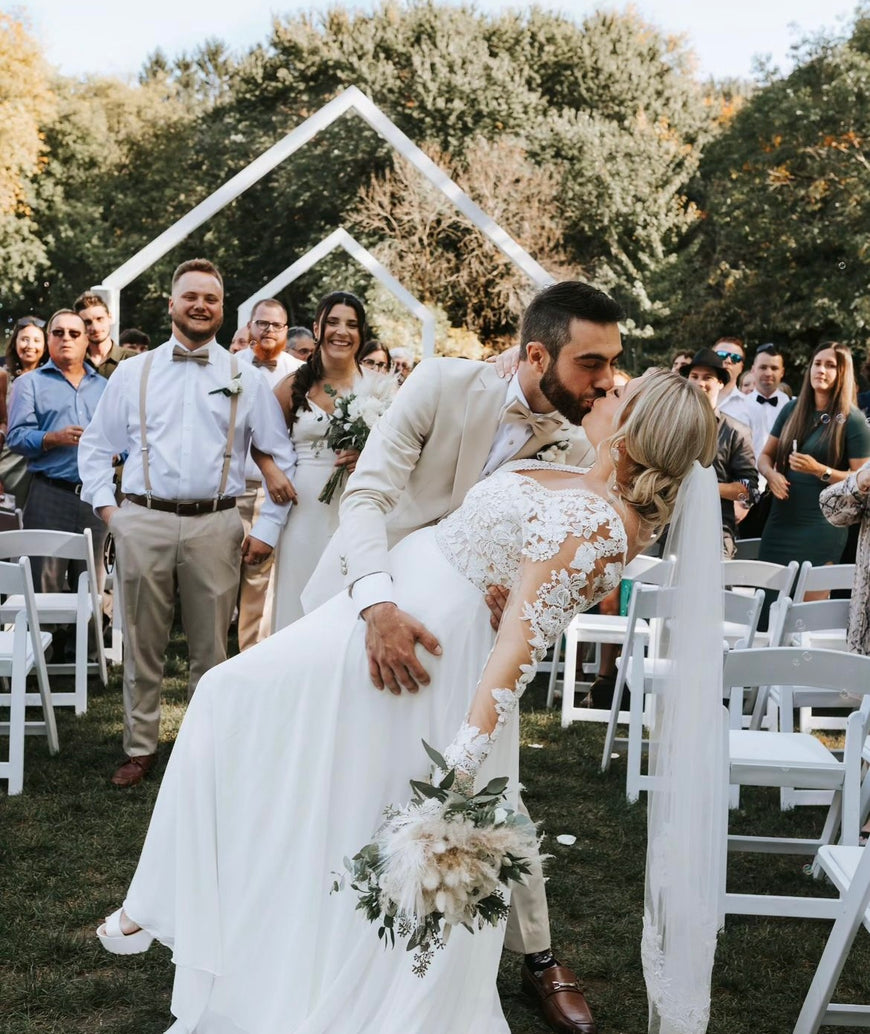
[(233, 388), (554, 453)]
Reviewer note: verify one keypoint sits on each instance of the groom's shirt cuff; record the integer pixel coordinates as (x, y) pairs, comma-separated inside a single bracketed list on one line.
[(372, 589)]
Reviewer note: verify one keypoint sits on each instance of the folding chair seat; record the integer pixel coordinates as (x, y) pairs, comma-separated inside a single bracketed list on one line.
[(848, 868), (599, 629), (79, 607), (776, 759), (22, 650)]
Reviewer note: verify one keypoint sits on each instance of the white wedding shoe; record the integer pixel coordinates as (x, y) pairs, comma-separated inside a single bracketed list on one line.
[(113, 938)]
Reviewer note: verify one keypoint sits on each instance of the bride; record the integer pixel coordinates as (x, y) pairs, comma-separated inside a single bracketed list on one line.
[(288, 755)]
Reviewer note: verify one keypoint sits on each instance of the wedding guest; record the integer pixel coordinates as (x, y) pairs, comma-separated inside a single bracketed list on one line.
[(746, 382), (103, 353), (185, 413), (300, 343), (268, 332), (339, 331), (681, 359), (403, 363), (241, 340), (25, 352), (134, 340), (768, 398), (375, 356), (50, 409), (735, 461), (816, 440), (844, 505)]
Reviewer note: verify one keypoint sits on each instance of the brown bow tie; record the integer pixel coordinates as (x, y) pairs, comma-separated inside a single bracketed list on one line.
[(180, 354), (540, 424), (266, 364)]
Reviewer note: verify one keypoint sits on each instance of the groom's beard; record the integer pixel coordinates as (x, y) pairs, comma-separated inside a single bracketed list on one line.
[(571, 408)]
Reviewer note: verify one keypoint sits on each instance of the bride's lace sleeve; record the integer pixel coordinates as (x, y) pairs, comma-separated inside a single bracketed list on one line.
[(556, 580)]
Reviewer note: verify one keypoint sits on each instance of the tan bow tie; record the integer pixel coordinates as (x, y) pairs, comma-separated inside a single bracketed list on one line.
[(541, 424), (266, 364), (180, 354)]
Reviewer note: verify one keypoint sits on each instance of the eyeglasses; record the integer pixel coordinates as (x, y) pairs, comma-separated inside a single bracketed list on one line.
[(370, 364), (60, 332), (734, 357), (265, 325)]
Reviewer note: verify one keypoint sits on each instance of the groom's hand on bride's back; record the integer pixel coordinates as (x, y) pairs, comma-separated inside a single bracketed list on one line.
[(391, 636)]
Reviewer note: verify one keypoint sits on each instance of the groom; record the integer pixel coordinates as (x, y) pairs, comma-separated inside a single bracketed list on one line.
[(454, 422)]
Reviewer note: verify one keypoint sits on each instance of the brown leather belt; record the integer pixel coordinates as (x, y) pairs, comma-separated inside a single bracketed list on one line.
[(194, 508)]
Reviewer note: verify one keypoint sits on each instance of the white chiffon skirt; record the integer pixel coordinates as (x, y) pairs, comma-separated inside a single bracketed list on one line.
[(283, 765)]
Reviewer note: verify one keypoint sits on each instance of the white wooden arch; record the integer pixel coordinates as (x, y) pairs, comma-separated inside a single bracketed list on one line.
[(340, 238), (351, 99)]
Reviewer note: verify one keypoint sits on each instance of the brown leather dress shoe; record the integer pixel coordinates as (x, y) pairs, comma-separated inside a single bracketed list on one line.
[(134, 770), (562, 1003)]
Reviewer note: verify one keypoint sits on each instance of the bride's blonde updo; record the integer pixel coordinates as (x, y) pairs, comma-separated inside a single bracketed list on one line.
[(665, 424)]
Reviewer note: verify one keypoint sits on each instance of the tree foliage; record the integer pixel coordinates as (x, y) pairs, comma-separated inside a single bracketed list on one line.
[(781, 252)]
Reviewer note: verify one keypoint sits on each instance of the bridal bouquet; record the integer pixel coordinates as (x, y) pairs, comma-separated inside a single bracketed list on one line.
[(351, 421), (439, 862)]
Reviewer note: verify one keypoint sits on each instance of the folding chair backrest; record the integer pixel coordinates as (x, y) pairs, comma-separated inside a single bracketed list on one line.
[(649, 570), (796, 666), (793, 619), (67, 545), (15, 580), (747, 549), (740, 609), (758, 574), (823, 578)]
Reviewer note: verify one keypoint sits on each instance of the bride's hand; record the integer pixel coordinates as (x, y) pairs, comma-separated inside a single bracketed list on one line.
[(347, 458), (391, 636)]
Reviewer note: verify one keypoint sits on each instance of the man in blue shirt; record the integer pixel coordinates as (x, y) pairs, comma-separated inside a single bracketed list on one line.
[(50, 408)]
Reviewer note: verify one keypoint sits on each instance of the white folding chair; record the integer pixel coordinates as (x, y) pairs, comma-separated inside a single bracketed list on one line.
[(78, 607), (750, 575), (848, 868), (747, 549), (642, 670), (764, 758), (823, 578), (599, 629), (21, 651)]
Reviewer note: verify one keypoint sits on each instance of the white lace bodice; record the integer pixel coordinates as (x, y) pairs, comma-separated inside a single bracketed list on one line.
[(507, 517), (559, 550)]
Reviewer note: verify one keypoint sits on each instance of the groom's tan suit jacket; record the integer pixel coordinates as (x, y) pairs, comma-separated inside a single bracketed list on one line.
[(425, 453)]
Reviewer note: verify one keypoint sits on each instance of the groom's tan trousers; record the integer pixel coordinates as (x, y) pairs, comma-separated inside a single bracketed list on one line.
[(528, 925)]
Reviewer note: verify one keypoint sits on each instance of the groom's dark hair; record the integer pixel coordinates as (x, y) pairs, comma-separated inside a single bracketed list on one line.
[(548, 317)]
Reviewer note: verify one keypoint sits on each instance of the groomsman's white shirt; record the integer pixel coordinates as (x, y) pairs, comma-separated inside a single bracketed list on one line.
[(186, 431), (764, 417), (285, 364)]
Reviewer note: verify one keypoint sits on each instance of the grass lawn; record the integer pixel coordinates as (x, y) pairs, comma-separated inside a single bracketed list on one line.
[(69, 843)]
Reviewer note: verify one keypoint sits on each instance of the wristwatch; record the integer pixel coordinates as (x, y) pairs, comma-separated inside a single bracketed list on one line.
[(826, 477)]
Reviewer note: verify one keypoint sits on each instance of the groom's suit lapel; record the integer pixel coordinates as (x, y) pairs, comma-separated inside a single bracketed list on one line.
[(479, 425)]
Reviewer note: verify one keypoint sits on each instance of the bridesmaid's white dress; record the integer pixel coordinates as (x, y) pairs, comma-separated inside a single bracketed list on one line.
[(288, 755), (311, 523)]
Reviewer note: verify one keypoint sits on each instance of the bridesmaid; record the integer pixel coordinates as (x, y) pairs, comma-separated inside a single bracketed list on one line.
[(339, 331)]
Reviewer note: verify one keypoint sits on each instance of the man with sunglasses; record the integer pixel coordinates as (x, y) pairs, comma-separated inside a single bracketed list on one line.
[(267, 328), (50, 409)]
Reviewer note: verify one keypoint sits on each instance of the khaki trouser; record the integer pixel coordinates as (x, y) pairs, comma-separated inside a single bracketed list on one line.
[(255, 585), (160, 555), (528, 925)]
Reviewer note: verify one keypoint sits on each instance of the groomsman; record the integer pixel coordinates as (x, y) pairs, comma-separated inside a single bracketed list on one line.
[(186, 414), (268, 332), (768, 398), (454, 422), (103, 353)]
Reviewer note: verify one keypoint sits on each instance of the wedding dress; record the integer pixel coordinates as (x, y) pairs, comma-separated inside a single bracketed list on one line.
[(311, 523), (288, 755)]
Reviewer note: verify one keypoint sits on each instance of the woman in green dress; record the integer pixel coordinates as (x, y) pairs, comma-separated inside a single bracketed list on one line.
[(817, 439)]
